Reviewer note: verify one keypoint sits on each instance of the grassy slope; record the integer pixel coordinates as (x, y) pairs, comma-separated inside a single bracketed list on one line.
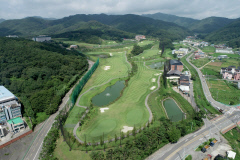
[(198, 91)]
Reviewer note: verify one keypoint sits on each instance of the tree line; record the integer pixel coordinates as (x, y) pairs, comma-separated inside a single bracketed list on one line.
[(38, 73)]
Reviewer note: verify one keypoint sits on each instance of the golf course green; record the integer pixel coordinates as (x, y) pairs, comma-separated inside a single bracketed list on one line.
[(129, 110)]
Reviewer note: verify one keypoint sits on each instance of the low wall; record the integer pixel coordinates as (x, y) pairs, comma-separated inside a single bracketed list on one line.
[(15, 139)]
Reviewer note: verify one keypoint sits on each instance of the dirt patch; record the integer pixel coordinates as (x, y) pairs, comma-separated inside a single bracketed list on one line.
[(216, 64)]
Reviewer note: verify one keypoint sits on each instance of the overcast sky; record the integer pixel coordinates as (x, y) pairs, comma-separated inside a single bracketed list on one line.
[(198, 9)]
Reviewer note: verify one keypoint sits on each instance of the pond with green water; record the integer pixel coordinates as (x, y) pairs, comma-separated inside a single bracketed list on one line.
[(109, 95), (173, 111), (157, 65)]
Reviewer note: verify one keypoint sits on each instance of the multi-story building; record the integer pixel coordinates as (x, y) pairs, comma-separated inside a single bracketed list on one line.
[(173, 69), (9, 105), (231, 73)]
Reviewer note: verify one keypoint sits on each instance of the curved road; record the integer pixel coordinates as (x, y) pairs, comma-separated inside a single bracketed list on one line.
[(206, 91), (188, 143), (146, 104)]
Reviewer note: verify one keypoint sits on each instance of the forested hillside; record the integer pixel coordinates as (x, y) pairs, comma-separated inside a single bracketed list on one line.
[(181, 21), (39, 74), (229, 34), (209, 24), (94, 33), (130, 23)]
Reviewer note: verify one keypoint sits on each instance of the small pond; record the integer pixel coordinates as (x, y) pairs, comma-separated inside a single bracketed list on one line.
[(173, 111), (109, 95), (156, 65)]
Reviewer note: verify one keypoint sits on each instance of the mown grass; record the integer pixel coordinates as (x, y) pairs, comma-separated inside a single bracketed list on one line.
[(119, 69), (128, 110), (189, 157)]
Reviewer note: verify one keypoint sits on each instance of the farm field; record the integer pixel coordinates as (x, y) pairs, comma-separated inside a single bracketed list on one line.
[(223, 91), (200, 62), (208, 49)]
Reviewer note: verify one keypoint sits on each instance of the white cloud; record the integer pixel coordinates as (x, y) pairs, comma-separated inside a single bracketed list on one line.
[(12, 9)]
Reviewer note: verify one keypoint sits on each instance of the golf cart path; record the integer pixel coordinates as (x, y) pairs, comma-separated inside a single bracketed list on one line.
[(146, 103)]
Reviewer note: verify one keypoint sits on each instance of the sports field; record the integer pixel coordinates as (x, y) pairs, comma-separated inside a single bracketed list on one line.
[(129, 110)]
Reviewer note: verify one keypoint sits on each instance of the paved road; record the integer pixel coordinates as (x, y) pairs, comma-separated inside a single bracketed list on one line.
[(206, 91), (180, 149), (35, 149), (146, 104)]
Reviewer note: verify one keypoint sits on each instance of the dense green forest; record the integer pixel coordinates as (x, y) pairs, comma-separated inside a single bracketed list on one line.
[(96, 34), (39, 73), (181, 21), (229, 34), (206, 25), (210, 24), (129, 23)]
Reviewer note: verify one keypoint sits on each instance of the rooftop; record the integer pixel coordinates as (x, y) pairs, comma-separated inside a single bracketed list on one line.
[(175, 62), (5, 94), (15, 121)]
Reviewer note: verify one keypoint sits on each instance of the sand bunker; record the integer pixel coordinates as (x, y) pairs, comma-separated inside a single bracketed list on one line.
[(103, 109), (119, 52), (157, 74), (153, 79), (126, 129), (110, 54), (107, 68), (153, 87)]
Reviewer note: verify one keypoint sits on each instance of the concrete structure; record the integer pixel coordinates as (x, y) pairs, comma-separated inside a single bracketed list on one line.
[(74, 46), (139, 37), (231, 73), (9, 105), (15, 124), (222, 56), (41, 38), (184, 83), (231, 154), (224, 50), (12, 36), (185, 50), (173, 69), (1, 132)]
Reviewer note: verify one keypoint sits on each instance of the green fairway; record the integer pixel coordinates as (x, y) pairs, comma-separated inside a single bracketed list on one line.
[(118, 68), (103, 126), (129, 110), (134, 116)]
